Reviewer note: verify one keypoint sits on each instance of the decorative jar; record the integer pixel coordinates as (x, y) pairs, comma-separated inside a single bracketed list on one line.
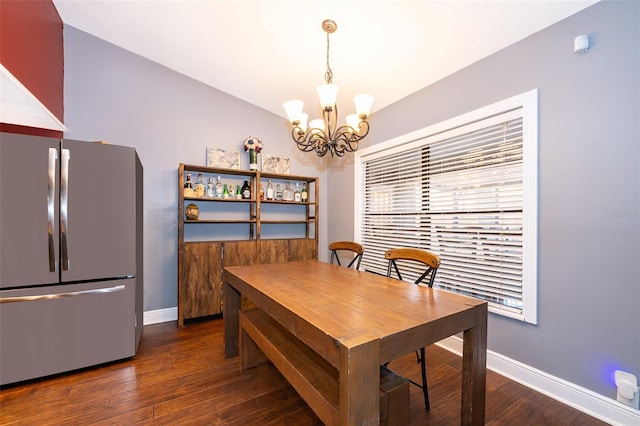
[(193, 212)]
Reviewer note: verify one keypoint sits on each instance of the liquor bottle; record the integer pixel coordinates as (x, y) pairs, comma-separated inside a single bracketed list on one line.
[(297, 196), (199, 187), (246, 190), (188, 186), (304, 196), (219, 188), (287, 193), (225, 192), (269, 190), (211, 188), (261, 192), (278, 193)]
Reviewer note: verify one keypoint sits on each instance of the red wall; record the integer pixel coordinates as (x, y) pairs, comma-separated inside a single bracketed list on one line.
[(31, 48)]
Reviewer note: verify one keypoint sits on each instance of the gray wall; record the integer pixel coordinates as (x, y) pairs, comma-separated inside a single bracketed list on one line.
[(116, 96), (589, 193)]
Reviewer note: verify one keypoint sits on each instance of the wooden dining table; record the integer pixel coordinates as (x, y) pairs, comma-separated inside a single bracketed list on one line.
[(328, 329)]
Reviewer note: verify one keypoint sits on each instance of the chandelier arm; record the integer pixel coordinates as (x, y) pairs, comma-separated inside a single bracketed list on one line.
[(365, 124), (323, 146), (303, 139), (351, 139), (346, 140)]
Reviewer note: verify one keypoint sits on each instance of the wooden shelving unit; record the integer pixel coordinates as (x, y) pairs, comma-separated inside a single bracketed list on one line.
[(207, 245)]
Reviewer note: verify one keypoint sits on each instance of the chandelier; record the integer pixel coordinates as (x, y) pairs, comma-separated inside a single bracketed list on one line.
[(323, 135)]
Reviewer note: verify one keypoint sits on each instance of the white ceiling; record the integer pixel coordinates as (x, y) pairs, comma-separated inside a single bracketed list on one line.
[(269, 51)]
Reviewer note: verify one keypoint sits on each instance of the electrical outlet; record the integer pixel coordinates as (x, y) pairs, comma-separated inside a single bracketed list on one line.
[(627, 386)]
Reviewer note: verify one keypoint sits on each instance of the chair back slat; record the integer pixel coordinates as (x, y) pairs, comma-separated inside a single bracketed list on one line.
[(356, 249), (430, 260)]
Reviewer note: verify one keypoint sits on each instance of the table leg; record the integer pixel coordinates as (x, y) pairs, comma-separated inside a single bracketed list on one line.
[(474, 369), (360, 381), (230, 310)]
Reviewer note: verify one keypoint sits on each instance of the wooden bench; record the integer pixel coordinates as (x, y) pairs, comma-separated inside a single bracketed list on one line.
[(263, 339)]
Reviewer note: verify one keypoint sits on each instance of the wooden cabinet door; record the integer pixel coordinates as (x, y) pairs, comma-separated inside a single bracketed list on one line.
[(201, 289), (303, 249), (240, 253), (273, 251)]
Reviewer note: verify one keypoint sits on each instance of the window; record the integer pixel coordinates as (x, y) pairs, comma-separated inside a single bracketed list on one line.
[(466, 190)]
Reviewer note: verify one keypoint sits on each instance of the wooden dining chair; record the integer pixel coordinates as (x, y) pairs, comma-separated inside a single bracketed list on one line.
[(430, 262), (357, 250)]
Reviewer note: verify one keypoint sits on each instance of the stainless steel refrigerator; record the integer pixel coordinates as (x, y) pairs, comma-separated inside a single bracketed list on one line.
[(70, 255)]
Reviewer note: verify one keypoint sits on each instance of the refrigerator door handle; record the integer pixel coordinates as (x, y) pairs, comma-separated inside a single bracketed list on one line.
[(61, 295), (51, 227), (64, 205)]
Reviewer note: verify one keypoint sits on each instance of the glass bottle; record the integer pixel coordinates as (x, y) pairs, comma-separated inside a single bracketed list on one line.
[(297, 196), (225, 192), (278, 193), (287, 193), (261, 192), (219, 188), (188, 186), (211, 188), (304, 196), (199, 187), (246, 190), (269, 190), (238, 192)]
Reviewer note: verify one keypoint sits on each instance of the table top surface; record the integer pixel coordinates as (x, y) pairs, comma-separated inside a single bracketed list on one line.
[(345, 303)]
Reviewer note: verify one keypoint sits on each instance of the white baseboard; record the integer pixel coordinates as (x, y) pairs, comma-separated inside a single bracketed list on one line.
[(605, 409), (160, 315)]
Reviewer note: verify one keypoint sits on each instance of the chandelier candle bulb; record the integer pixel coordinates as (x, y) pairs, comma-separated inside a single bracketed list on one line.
[(303, 121), (316, 124), (294, 110), (363, 104), (327, 94), (353, 121)]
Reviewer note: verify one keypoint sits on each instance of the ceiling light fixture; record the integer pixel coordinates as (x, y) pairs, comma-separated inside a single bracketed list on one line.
[(323, 135)]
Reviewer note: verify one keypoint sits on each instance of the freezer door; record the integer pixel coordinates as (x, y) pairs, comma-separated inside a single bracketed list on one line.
[(29, 251), (53, 329), (97, 211)]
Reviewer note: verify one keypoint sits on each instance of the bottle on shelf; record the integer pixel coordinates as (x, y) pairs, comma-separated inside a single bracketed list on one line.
[(199, 187), (188, 186), (277, 195), (297, 196), (219, 188), (270, 190), (211, 188), (225, 192), (287, 193), (238, 192), (246, 190), (304, 195), (261, 192)]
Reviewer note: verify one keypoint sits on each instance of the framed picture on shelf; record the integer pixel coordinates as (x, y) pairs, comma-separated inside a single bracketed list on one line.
[(274, 164), (218, 157)]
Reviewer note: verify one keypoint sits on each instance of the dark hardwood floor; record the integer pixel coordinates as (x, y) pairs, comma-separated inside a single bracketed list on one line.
[(180, 376)]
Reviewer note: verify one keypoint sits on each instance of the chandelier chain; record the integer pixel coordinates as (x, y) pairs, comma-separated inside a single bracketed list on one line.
[(328, 75)]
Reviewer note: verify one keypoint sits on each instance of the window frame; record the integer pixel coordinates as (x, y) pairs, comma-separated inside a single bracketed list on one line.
[(528, 102)]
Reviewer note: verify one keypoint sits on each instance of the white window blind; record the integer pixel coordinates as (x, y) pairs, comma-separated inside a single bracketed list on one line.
[(459, 193)]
